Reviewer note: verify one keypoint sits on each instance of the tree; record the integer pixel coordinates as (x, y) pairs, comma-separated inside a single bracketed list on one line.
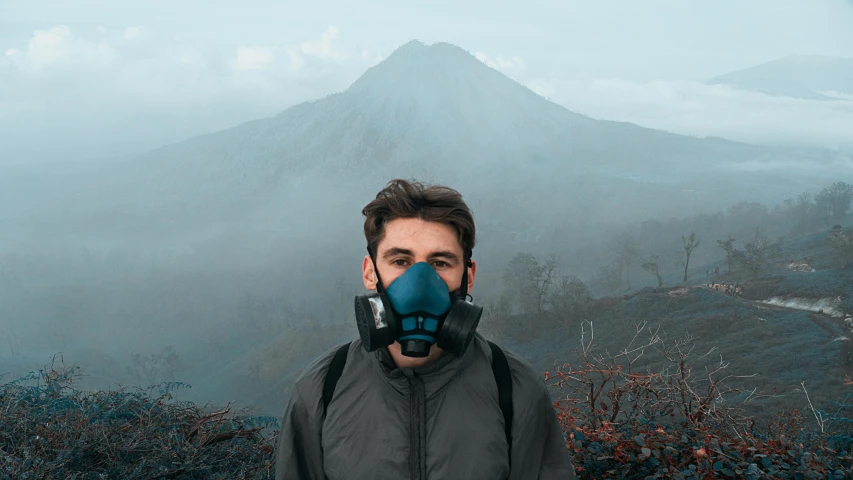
[(834, 201), (743, 215), (570, 298), (499, 309), (625, 248), (495, 315), (171, 361), (842, 242), (609, 276), (728, 246), (690, 243), (144, 368), (651, 265), (800, 213), (529, 281), (758, 253)]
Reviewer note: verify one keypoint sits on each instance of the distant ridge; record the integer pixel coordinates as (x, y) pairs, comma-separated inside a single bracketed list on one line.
[(797, 76)]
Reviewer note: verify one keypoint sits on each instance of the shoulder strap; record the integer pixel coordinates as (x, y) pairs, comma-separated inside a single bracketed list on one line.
[(503, 377), (333, 374)]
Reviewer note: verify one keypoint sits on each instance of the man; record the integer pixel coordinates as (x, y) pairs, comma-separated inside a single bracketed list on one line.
[(420, 395)]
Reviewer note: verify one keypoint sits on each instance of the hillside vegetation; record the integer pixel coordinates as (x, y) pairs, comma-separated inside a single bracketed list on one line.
[(679, 381)]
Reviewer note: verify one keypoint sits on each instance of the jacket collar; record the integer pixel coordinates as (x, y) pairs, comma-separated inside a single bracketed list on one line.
[(435, 376)]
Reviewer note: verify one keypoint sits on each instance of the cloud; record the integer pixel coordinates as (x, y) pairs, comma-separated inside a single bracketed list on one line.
[(133, 32), (59, 46), (510, 66), (165, 65), (253, 58), (110, 91), (296, 61), (327, 47), (693, 108), (115, 90)]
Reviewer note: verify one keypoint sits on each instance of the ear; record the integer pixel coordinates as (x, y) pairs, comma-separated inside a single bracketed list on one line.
[(368, 274), (472, 272)]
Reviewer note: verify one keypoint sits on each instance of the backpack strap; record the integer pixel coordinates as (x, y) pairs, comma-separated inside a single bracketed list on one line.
[(333, 374), (503, 377)]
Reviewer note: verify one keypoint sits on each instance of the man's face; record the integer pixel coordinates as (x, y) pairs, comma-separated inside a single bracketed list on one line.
[(411, 240)]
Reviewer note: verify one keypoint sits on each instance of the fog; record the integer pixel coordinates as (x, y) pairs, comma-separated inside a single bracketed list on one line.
[(187, 183)]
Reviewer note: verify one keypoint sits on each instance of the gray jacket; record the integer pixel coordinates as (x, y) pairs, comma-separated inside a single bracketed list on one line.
[(441, 421)]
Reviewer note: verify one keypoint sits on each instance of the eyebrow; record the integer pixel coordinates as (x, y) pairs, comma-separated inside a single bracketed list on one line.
[(446, 254)]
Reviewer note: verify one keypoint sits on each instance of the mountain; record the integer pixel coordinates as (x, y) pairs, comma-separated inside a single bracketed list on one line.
[(433, 112), (174, 237), (810, 77)]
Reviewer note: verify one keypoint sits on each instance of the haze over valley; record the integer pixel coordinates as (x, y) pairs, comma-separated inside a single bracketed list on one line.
[(184, 206)]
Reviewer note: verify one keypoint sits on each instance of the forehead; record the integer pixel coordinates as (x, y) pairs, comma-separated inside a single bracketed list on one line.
[(420, 236)]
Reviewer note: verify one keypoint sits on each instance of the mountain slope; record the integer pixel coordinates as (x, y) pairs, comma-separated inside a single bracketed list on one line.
[(422, 104), (433, 112), (811, 77)]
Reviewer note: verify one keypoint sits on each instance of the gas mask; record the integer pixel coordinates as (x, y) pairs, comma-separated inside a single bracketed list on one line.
[(417, 311)]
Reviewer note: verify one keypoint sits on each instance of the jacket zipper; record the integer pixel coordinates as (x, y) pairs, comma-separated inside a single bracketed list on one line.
[(417, 464)]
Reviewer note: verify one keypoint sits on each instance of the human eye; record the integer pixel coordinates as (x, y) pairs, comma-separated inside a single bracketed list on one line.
[(440, 264), (400, 262)]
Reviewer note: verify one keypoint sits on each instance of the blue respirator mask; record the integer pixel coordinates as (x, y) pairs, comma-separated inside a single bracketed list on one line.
[(417, 311)]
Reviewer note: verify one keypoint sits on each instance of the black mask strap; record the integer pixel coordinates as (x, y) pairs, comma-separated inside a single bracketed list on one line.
[(463, 289), (379, 288)]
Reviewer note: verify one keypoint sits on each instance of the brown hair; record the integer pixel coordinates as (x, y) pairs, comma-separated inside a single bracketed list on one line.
[(412, 199)]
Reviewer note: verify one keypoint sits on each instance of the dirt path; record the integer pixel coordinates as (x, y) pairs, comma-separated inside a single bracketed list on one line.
[(824, 321), (767, 306)]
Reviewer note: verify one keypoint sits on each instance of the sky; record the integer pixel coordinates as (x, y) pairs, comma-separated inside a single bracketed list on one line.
[(88, 80)]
